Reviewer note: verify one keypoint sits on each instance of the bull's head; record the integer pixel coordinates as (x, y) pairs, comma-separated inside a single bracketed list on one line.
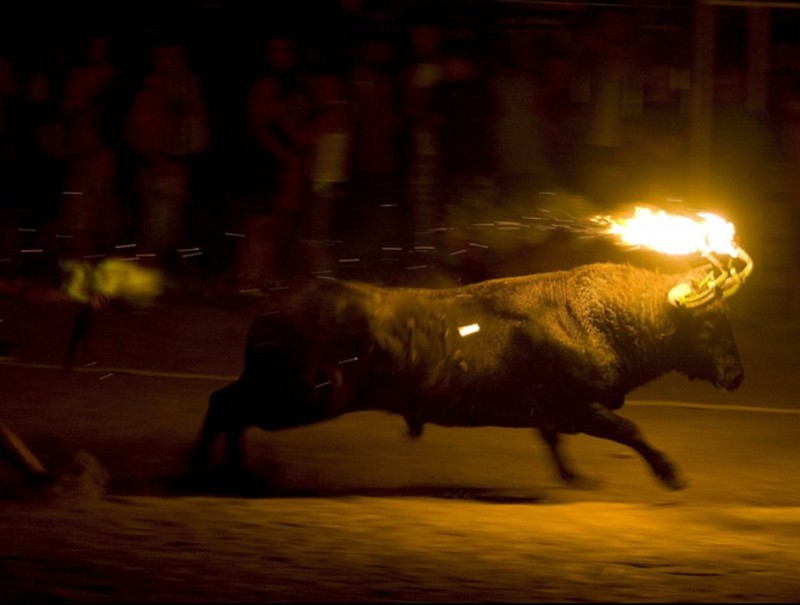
[(708, 347)]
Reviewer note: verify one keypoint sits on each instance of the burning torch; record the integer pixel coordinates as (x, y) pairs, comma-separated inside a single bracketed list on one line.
[(95, 286), (705, 233)]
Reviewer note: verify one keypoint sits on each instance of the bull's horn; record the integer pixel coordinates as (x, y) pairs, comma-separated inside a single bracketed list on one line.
[(735, 278), (721, 278)]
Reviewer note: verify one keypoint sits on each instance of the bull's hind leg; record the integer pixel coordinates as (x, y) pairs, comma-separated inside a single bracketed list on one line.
[(598, 421), (257, 402), (220, 419)]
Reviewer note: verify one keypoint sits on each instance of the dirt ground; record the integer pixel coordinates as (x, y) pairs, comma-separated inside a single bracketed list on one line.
[(351, 510)]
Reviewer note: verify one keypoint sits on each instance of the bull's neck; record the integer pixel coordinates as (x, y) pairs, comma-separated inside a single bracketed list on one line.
[(642, 327)]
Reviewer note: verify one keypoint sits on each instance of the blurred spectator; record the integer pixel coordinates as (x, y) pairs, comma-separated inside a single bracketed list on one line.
[(90, 83), (608, 53), (518, 139), (658, 142), (786, 125), (461, 102), (563, 112), (275, 172), (418, 80), (41, 172), (90, 211), (329, 133), (374, 206), (10, 165), (168, 128), (742, 151)]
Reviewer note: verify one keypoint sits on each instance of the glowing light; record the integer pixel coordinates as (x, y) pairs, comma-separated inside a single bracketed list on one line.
[(704, 233), (469, 329), (668, 233), (111, 278)]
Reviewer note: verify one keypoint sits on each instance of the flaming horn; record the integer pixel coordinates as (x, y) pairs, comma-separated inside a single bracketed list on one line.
[(705, 233)]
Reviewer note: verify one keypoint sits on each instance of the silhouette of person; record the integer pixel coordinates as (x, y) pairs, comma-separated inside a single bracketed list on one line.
[(90, 210), (168, 128), (275, 177)]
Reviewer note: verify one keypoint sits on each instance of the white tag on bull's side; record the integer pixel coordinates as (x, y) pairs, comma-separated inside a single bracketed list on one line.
[(467, 330)]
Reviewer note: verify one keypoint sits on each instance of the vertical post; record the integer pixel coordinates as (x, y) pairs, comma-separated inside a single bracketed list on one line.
[(702, 98)]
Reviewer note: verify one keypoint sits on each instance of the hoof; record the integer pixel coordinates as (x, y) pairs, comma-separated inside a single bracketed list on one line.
[(579, 481), (674, 482), (669, 476)]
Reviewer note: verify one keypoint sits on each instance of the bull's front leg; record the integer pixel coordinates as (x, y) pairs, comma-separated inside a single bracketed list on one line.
[(553, 440), (598, 421)]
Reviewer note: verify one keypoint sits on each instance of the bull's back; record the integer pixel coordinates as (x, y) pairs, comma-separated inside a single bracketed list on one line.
[(497, 352)]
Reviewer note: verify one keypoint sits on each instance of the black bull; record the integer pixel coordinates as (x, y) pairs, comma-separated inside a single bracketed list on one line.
[(554, 351)]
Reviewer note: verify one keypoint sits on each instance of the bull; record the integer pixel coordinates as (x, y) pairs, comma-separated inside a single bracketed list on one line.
[(557, 352)]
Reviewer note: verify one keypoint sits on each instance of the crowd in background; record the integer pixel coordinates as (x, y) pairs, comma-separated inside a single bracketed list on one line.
[(255, 158)]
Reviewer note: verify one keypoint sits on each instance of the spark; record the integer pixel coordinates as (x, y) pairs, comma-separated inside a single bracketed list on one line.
[(31, 250), (351, 360), (462, 251), (122, 246), (415, 267), (72, 192), (391, 248), (478, 245), (323, 384), (26, 230), (104, 376), (349, 260), (191, 254), (230, 234)]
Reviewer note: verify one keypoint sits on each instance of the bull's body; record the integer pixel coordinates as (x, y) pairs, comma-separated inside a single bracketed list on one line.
[(554, 351)]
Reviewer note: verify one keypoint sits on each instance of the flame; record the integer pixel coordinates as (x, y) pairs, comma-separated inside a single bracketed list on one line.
[(111, 278), (668, 233)]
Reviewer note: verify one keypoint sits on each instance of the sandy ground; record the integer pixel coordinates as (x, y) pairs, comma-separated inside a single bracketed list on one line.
[(352, 510)]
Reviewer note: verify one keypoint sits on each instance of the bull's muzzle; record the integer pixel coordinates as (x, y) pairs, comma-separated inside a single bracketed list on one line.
[(729, 378)]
